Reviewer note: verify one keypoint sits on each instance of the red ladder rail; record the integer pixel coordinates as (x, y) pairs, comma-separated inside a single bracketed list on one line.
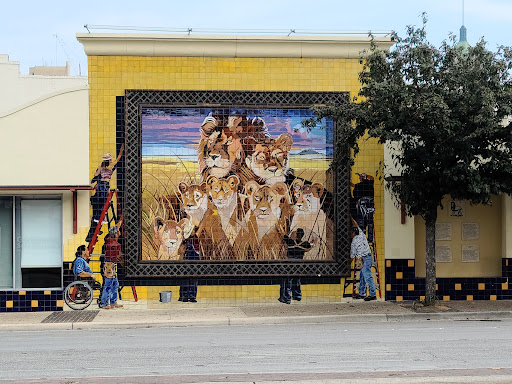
[(100, 220), (94, 239)]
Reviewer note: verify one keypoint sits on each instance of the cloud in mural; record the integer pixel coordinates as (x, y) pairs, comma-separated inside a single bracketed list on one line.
[(162, 127)]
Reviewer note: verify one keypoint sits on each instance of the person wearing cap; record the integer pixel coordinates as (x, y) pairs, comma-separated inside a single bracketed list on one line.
[(113, 255), (104, 172)]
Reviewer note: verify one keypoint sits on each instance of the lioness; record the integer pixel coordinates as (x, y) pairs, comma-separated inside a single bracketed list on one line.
[(310, 217), (224, 196), (169, 235), (194, 200), (263, 217)]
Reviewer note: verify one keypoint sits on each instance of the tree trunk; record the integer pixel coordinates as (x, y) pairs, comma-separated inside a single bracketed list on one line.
[(430, 259)]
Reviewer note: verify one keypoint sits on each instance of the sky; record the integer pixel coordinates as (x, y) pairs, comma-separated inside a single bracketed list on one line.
[(35, 32), (168, 134)]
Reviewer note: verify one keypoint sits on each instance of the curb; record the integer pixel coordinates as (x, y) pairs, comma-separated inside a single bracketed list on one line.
[(36, 327), (359, 318), (367, 318), (457, 316), (157, 324)]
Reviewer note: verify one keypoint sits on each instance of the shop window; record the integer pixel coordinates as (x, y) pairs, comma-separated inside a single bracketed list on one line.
[(6, 249), (32, 258)]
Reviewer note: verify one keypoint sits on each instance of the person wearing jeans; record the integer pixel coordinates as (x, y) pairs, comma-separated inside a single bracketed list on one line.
[(290, 286), (112, 256), (366, 278), (361, 249), (110, 287), (188, 287)]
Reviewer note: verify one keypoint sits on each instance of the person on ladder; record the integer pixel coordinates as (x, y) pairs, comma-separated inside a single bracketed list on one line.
[(360, 249), (104, 173), (362, 204)]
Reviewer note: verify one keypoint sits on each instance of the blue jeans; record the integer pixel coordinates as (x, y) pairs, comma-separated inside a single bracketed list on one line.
[(100, 198), (110, 287), (365, 277), (289, 287), (188, 289)]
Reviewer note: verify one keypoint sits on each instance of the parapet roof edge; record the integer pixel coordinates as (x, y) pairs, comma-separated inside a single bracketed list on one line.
[(135, 44)]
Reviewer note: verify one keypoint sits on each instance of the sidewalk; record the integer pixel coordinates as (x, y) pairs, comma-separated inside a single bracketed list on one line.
[(190, 314)]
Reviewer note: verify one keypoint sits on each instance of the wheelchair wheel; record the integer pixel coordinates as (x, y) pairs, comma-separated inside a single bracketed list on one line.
[(78, 295)]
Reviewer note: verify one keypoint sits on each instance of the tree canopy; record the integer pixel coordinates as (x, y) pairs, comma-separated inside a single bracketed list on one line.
[(444, 112)]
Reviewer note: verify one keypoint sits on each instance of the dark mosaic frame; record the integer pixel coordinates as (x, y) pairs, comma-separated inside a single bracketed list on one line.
[(136, 100)]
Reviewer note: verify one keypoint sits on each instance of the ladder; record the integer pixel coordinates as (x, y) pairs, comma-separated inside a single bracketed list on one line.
[(354, 277), (109, 205)]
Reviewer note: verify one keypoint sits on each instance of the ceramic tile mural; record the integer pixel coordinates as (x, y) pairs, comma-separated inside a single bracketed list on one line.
[(235, 184)]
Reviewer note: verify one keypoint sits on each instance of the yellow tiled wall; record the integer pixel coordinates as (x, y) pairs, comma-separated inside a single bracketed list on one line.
[(109, 76), (368, 160)]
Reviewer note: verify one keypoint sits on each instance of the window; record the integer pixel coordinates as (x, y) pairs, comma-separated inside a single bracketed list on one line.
[(30, 242), (6, 231)]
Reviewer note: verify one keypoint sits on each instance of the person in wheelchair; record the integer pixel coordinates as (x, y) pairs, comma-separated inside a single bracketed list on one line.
[(81, 268)]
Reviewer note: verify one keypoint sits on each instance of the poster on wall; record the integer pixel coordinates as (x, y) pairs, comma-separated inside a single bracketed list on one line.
[(232, 184)]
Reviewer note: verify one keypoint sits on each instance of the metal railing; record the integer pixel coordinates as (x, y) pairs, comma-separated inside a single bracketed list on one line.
[(286, 32)]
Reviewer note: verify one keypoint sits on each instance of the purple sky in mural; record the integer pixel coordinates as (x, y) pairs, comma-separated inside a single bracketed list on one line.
[(160, 129)]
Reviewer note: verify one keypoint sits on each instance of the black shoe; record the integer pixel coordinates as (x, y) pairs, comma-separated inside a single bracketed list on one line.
[(96, 285), (370, 298), (283, 301), (184, 300), (193, 300), (297, 298), (358, 297)]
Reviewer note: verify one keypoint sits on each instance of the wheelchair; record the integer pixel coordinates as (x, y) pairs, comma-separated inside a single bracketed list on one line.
[(80, 293)]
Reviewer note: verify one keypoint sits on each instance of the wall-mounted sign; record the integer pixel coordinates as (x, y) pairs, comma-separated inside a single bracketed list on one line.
[(443, 254), (457, 208), (443, 231), (470, 253), (470, 231)]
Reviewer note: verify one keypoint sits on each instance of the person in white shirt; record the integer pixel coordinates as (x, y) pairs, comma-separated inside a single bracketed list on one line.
[(361, 249)]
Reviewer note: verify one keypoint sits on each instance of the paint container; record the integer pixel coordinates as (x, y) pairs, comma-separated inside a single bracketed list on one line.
[(165, 296)]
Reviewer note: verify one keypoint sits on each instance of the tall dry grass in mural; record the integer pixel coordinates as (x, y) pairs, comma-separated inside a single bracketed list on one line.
[(238, 185)]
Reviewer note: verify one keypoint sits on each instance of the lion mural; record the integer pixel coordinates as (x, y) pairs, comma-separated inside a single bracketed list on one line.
[(242, 196)]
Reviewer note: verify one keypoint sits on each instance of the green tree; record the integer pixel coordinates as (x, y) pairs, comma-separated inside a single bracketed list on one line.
[(443, 111)]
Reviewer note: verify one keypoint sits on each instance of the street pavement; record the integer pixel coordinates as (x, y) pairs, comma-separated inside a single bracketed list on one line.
[(199, 318), (206, 314), (390, 352)]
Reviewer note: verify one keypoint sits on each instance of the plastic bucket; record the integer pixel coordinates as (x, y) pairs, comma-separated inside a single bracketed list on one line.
[(165, 296)]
